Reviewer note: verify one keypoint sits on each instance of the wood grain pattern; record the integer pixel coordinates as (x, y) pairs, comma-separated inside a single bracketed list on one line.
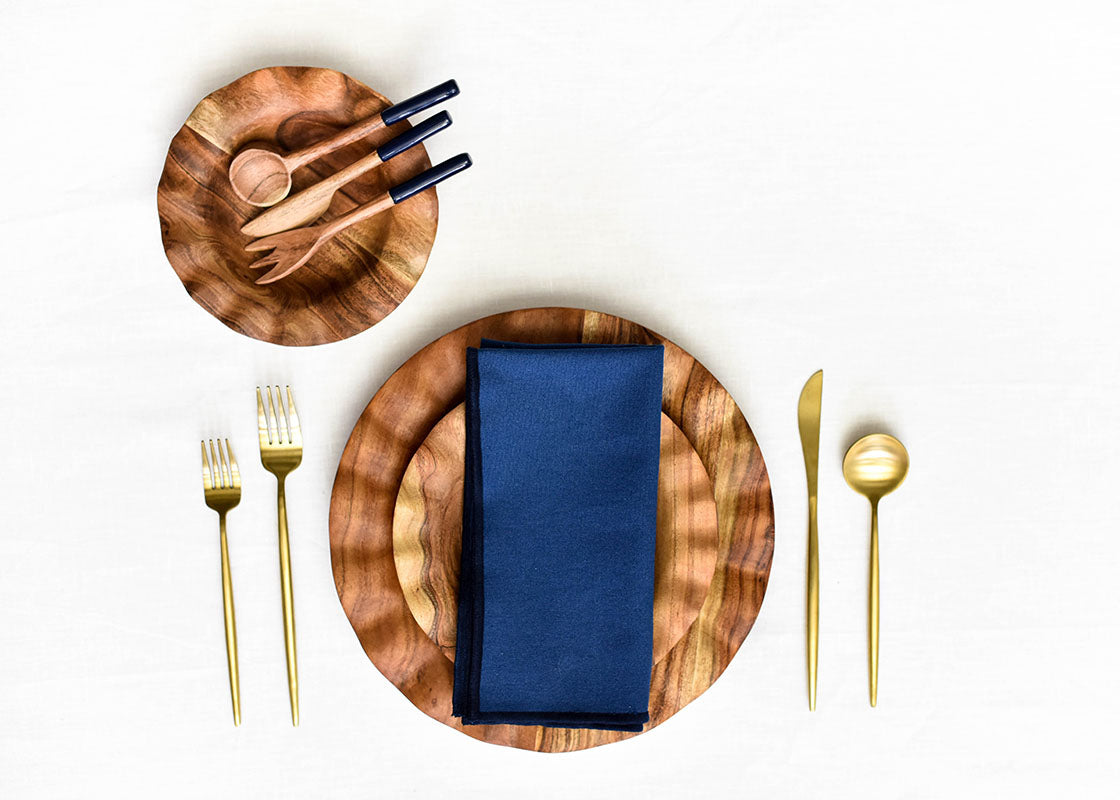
[(428, 534), (422, 392), (357, 278)]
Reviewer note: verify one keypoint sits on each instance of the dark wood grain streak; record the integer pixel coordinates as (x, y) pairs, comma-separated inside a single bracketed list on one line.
[(357, 278), (402, 415)]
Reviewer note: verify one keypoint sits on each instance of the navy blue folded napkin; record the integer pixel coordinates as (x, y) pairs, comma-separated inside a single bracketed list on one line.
[(559, 524)]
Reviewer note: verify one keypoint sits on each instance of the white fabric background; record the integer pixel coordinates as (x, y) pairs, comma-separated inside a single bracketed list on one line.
[(921, 198)]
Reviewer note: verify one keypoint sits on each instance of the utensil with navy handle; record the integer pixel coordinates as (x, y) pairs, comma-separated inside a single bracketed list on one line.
[(263, 177), (293, 249), (311, 203)]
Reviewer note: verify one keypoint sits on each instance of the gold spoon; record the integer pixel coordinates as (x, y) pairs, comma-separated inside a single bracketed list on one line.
[(875, 466)]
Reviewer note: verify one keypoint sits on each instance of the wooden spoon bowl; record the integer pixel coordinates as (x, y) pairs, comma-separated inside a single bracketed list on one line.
[(260, 166), (353, 281)]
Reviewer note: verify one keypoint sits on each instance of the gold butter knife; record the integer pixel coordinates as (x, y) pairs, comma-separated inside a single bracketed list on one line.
[(809, 424)]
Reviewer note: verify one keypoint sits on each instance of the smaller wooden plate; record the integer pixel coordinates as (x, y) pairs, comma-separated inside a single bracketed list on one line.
[(356, 279), (428, 534)]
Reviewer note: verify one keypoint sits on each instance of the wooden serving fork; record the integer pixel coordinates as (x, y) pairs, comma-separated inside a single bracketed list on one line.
[(292, 249), (221, 485), (281, 452)]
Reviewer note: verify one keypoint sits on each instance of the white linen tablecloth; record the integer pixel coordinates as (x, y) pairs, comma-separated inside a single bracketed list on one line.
[(919, 198)]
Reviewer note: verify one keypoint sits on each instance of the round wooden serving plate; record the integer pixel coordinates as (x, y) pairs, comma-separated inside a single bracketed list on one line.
[(358, 277), (395, 528)]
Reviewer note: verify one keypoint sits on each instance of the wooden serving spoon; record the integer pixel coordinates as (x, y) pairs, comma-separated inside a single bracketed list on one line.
[(262, 177), (292, 249), (313, 202)]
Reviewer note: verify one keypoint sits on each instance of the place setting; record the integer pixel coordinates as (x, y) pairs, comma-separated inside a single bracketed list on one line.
[(551, 528)]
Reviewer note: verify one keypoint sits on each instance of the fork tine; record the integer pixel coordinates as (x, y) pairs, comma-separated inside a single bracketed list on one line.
[(264, 243), (281, 270), (218, 482), (207, 482), (227, 479), (283, 419), (235, 473), (273, 425), (293, 421), (267, 261), (262, 422)]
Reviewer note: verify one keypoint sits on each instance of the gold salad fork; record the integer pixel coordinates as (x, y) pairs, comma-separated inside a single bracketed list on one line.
[(221, 485), (281, 452)]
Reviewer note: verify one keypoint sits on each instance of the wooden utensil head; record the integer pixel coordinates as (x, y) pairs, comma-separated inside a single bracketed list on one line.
[(259, 175)]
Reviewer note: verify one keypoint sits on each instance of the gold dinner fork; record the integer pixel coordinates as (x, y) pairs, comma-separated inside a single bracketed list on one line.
[(221, 485), (281, 452)]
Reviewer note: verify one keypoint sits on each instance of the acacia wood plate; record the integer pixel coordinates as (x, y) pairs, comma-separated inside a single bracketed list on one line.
[(428, 534), (358, 277), (394, 524)]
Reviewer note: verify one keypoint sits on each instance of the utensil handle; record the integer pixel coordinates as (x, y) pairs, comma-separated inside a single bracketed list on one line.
[(393, 147), (430, 177), (344, 137), (360, 130), (873, 609), (813, 590), (414, 136), (231, 623), (417, 103), (397, 194), (287, 601)]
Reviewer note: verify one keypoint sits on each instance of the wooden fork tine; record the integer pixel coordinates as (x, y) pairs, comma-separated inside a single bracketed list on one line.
[(267, 261), (207, 481), (281, 271), (267, 243)]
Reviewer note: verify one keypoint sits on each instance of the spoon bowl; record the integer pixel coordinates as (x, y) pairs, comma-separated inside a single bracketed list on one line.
[(876, 465), (260, 176)]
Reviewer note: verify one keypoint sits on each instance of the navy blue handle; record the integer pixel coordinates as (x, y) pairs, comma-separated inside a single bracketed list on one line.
[(430, 177), (414, 105), (414, 136)]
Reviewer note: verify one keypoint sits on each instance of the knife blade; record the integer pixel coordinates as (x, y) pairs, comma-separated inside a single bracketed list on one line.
[(809, 425)]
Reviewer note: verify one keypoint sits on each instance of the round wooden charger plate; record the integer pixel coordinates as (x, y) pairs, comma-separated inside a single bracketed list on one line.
[(357, 278), (394, 503)]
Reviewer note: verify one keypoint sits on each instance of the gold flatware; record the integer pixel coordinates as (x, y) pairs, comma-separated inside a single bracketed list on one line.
[(221, 486), (875, 466), (313, 202), (809, 425), (292, 249), (281, 452)]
